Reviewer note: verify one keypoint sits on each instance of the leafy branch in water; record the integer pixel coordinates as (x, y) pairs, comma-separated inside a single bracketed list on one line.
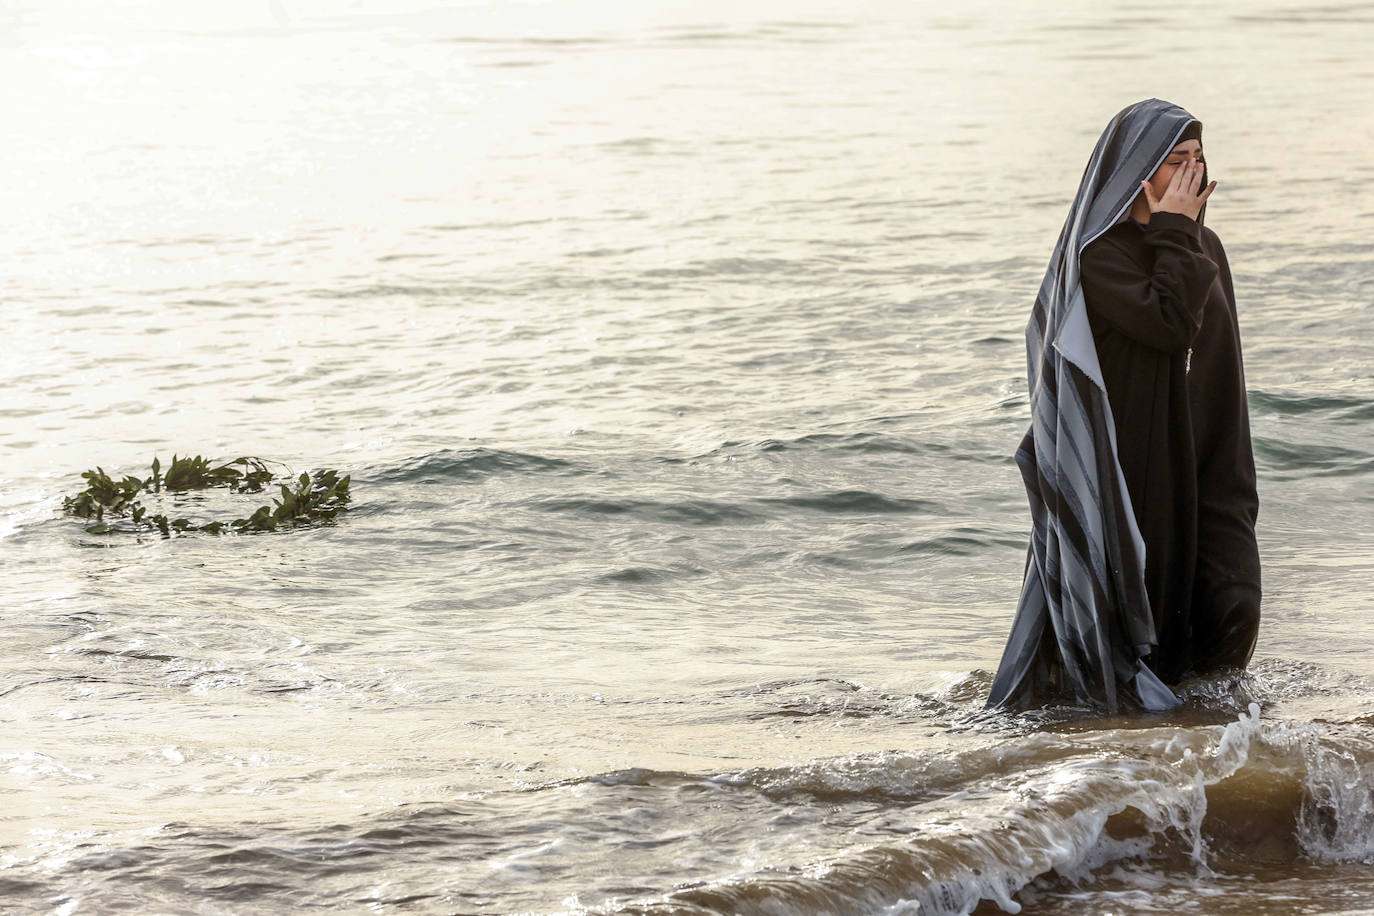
[(197, 474), (304, 501), (311, 500)]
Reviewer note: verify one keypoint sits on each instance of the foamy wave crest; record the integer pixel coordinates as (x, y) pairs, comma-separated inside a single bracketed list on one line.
[(990, 841), (1336, 819)]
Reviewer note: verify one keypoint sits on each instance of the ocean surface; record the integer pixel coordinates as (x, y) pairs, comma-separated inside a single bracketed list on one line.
[(675, 351)]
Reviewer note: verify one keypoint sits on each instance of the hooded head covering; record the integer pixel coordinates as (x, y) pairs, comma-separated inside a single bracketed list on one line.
[(1083, 624)]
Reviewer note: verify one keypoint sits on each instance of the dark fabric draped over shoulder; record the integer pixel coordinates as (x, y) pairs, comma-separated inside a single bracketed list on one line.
[(1083, 627)]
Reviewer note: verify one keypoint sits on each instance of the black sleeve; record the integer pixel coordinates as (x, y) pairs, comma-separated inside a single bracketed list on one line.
[(1160, 307), (1212, 247)]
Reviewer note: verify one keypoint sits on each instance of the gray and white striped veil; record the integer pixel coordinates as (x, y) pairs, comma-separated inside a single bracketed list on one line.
[(1083, 623)]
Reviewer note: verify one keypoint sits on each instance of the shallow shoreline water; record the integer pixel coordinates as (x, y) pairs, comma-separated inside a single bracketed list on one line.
[(676, 357)]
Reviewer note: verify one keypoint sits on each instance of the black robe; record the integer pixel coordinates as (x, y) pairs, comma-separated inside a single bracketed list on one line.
[(1163, 314)]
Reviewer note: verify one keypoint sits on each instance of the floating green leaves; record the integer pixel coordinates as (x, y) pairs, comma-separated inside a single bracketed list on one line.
[(114, 505)]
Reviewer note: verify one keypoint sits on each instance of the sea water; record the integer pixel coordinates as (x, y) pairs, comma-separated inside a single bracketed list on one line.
[(675, 351)]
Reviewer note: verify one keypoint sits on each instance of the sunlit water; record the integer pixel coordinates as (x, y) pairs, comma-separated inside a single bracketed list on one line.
[(675, 351)]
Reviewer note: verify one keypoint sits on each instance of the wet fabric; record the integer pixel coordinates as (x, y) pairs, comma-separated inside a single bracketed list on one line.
[(1084, 630)]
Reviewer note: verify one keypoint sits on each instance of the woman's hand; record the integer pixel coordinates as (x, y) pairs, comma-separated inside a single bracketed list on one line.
[(1181, 196)]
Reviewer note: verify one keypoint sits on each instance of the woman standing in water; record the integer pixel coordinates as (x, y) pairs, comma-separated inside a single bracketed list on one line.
[(1143, 565)]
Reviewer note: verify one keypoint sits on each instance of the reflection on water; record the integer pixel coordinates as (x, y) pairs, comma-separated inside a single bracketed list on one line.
[(675, 351)]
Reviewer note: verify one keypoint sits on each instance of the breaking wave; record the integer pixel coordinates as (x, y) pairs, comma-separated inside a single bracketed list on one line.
[(1048, 808)]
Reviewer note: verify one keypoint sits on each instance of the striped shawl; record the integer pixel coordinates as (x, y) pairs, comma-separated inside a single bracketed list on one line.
[(1083, 624)]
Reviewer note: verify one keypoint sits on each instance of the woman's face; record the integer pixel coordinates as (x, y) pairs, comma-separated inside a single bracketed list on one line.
[(1159, 181)]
